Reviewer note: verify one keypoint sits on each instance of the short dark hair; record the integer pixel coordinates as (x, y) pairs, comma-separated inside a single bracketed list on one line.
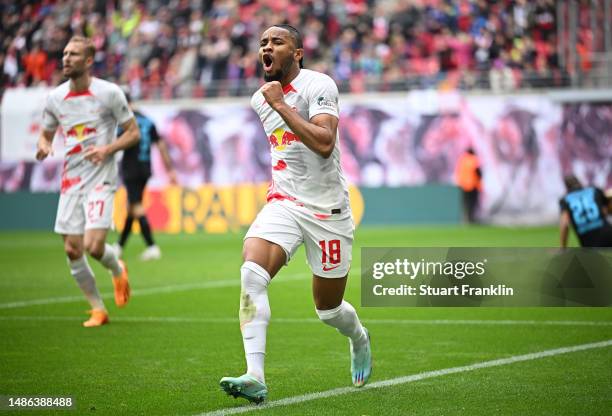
[(572, 183), (297, 38)]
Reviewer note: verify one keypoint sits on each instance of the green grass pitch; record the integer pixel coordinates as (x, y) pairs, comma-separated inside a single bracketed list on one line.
[(166, 351)]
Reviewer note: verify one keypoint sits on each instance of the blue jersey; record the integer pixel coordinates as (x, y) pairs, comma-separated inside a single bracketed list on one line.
[(136, 162), (585, 207)]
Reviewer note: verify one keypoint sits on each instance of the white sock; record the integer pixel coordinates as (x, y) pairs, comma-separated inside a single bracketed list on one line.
[(254, 316), (344, 318), (82, 273), (110, 260)]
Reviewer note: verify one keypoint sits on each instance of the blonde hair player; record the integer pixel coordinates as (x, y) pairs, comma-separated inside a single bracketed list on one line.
[(88, 110)]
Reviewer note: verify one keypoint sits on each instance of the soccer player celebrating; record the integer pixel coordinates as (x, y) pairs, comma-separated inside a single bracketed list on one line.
[(88, 110), (307, 204), (586, 209)]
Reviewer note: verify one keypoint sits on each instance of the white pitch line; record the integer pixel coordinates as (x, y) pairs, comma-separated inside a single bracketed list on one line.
[(150, 291), (486, 322), (408, 379), (228, 320)]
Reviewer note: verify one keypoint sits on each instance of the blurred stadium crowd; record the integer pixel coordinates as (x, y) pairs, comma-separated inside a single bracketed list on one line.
[(196, 48)]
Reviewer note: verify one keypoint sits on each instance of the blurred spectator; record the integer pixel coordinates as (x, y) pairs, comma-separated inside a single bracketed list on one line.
[(168, 48), (35, 63)]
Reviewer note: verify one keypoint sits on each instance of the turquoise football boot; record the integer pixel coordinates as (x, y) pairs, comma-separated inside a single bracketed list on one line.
[(245, 386), (361, 363)]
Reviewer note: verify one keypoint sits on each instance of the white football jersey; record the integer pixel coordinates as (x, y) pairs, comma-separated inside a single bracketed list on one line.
[(88, 118), (299, 174)]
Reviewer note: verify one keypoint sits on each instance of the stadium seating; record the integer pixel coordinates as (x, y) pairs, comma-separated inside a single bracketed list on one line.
[(202, 48)]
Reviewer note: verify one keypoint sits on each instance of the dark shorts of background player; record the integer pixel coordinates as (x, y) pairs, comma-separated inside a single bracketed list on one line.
[(135, 187), (598, 238)]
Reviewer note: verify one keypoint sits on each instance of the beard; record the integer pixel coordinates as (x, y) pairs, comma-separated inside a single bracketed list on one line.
[(280, 74), (275, 76), (73, 73)]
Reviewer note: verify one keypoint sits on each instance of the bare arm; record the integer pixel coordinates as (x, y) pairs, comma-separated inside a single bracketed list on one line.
[(564, 228), (130, 136), (44, 146), (163, 151), (318, 133)]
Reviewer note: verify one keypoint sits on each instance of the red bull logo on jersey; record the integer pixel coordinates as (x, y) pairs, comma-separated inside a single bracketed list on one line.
[(280, 139), (81, 132)]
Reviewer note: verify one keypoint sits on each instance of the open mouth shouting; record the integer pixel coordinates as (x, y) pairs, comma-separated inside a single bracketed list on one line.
[(267, 62)]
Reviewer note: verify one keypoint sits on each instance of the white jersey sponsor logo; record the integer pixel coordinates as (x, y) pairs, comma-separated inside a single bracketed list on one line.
[(88, 118), (299, 174)]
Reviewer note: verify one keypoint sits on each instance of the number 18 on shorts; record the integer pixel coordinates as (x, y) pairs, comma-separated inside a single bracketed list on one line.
[(328, 242)]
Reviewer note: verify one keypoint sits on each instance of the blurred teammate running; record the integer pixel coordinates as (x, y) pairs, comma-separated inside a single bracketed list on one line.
[(87, 110)]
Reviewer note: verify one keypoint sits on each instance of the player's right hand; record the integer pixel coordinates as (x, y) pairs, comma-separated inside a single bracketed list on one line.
[(43, 149), (273, 93)]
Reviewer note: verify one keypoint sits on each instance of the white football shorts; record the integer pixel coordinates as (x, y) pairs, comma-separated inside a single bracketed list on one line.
[(79, 212), (328, 242)]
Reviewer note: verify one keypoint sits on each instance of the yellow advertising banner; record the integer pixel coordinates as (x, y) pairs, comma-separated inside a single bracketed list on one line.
[(208, 208)]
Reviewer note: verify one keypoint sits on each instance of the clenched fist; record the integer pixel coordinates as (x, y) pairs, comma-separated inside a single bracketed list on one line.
[(273, 93)]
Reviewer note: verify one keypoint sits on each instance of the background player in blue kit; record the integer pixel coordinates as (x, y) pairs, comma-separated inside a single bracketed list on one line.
[(586, 209), (136, 171)]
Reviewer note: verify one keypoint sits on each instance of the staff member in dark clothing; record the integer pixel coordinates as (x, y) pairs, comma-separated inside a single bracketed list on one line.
[(135, 171), (586, 209)]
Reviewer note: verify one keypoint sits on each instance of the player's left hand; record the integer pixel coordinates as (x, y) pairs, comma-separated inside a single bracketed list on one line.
[(97, 154), (273, 93)]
